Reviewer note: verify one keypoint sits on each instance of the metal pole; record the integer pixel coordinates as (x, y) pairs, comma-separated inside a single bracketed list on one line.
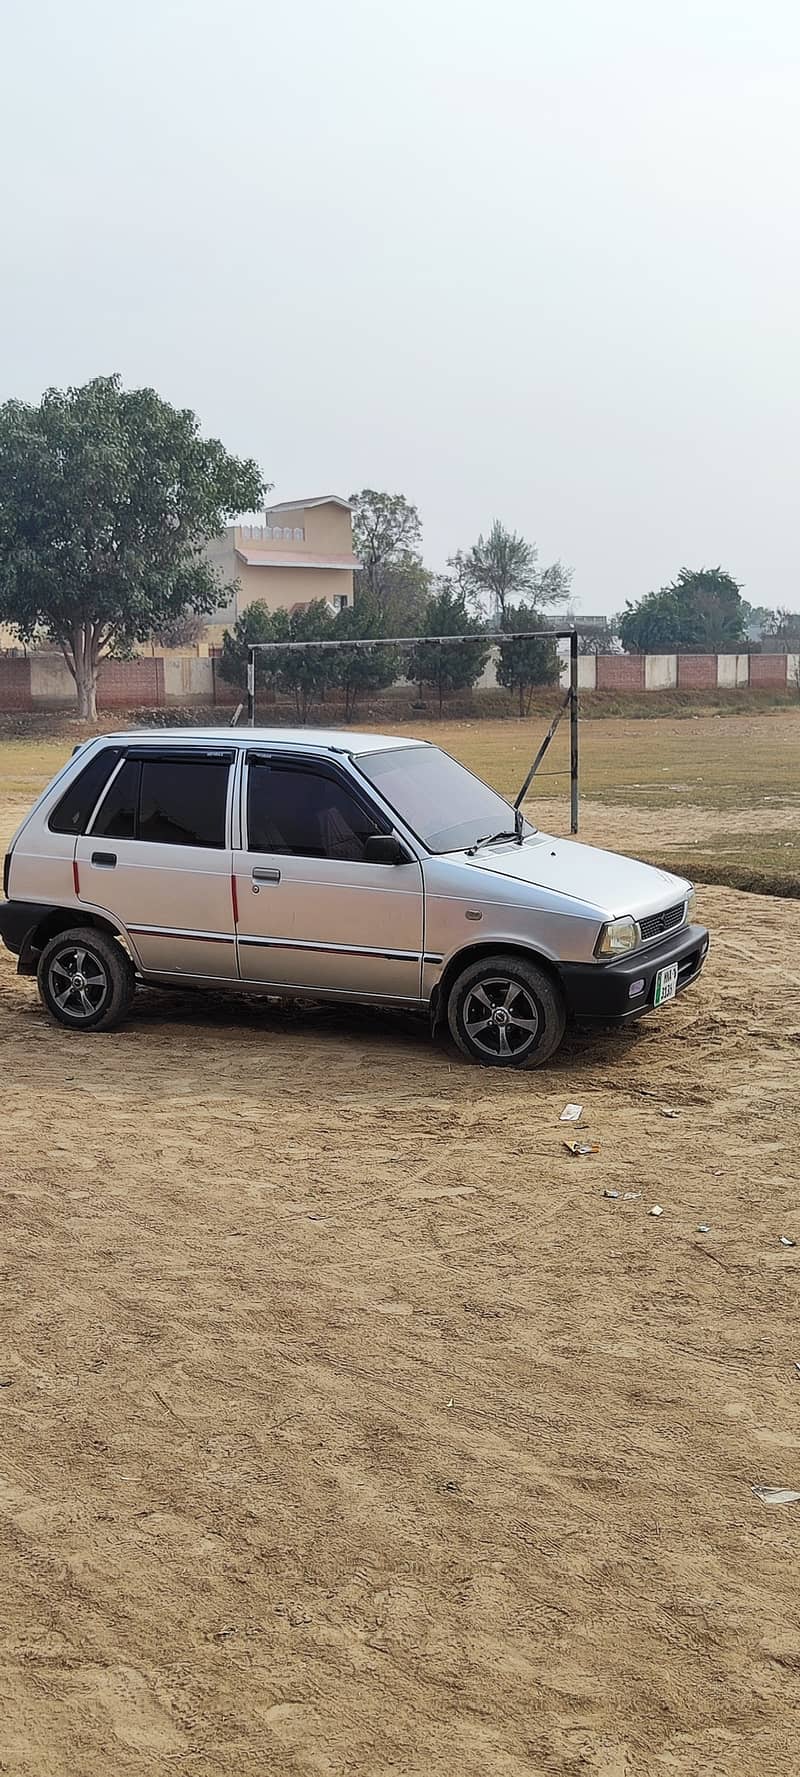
[(518, 800), (251, 689), (573, 731)]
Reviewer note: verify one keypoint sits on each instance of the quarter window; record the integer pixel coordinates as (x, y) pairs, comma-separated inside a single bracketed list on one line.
[(167, 802), (117, 817), (73, 813), (306, 814)]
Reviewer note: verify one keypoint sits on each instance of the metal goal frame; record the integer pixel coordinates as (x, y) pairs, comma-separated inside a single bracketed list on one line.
[(494, 637)]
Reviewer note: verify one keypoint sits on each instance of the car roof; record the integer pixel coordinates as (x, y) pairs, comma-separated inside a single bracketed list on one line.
[(318, 740)]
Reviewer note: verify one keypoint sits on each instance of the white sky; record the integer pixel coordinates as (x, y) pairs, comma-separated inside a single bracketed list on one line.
[(527, 259)]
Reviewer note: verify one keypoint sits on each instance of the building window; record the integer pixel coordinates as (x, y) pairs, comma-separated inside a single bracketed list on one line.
[(340, 601)]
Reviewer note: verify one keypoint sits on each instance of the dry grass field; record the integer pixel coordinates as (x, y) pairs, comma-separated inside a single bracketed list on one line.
[(347, 1429)]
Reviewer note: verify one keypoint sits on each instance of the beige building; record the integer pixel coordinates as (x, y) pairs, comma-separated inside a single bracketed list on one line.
[(303, 551)]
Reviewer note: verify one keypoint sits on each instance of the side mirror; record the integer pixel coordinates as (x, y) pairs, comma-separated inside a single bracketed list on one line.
[(385, 848)]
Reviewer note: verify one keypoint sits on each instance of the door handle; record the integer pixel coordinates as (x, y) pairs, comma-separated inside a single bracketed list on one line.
[(105, 859), (266, 875)]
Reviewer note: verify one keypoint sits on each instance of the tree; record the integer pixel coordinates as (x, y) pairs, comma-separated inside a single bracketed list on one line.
[(107, 497), (453, 668), (254, 624), (524, 664), (700, 612), (302, 673), (307, 672), (503, 565), (359, 671), (391, 581)]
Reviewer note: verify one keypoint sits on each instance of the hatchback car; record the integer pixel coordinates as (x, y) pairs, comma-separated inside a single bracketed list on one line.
[(335, 866)]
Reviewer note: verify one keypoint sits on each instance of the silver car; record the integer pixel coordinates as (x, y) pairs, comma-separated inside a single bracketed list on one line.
[(357, 867)]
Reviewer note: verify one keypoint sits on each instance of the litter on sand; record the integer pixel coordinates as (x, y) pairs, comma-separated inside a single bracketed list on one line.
[(785, 1241), (776, 1496), (668, 1113), (570, 1113), (611, 1194), (703, 1228), (631, 1196), (656, 1210), (582, 1147)]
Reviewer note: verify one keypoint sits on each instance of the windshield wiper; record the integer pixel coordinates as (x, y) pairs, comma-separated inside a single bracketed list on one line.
[(492, 838)]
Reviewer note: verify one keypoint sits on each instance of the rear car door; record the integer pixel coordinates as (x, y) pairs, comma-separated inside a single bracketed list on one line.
[(312, 912), (157, 856)]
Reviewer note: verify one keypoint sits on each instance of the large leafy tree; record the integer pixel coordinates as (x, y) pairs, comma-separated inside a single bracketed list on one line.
[(522, 665), (453, 667), (107, 496), (391, 583), (702, 611), (502, 568)]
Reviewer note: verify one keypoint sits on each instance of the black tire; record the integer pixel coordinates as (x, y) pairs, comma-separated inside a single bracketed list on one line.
[(534, 1018), (102, 974)]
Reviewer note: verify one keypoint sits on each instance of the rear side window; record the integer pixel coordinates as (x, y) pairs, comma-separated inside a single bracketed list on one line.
[(73, 813), (167, 802), (183, 803)]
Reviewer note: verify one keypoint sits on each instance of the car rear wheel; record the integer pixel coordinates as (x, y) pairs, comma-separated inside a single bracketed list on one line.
[(504, 1011), (86, 980)]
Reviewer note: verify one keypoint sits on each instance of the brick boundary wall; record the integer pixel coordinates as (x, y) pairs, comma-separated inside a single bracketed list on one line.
[(769, 669), (129, 684), (15, 684), (620, 672), (697, 672)]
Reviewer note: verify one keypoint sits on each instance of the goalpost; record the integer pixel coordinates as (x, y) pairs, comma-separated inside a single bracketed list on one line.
[(569, 701)]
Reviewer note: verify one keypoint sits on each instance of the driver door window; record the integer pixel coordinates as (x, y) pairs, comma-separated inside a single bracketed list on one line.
[(305, 814)]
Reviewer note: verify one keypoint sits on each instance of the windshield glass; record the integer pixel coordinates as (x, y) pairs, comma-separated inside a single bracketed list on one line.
[(438, 799)]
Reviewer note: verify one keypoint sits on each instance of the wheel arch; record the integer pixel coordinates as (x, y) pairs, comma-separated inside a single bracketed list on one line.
[(66, 919), (473, 953)]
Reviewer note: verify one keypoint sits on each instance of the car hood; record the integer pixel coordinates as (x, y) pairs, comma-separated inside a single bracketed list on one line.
[(604, 880)]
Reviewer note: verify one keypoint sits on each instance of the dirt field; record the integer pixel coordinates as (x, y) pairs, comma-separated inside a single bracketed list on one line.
[(349, 1431)]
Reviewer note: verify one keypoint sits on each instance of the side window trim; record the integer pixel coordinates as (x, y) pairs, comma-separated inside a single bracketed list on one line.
[(318, 767)]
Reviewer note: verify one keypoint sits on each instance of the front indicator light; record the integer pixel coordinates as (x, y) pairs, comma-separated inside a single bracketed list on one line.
[(617, 938), (691, 907), (636, 988)]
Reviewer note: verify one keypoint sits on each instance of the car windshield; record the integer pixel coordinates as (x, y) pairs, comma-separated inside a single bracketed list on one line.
[(438, 799)]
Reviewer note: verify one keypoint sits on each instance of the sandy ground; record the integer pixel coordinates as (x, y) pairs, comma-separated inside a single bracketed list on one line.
[(348, 1429)]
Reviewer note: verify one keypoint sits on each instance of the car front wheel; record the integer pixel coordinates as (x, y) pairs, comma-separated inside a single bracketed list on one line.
[(504, 1011), (86, 980)]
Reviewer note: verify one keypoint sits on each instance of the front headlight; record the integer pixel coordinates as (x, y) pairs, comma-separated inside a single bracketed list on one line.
[(619, 936), (691, 907)]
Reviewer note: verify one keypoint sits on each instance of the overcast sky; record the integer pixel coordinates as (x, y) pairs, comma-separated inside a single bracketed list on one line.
[(527, 259)]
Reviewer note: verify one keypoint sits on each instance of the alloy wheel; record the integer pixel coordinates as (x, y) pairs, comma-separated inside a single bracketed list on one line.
[(500, 1017), (78, 982)]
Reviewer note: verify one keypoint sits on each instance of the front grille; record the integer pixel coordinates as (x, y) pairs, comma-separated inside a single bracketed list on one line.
[(657, 923)]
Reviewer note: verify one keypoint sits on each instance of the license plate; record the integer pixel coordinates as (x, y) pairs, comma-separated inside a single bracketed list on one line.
[(666, 985)]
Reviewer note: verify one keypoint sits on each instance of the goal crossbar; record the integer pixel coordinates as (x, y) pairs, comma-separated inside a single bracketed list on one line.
[(493, 637)]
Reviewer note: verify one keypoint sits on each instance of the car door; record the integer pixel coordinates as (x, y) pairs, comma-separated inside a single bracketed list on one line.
[(312, 912), (157, 856)]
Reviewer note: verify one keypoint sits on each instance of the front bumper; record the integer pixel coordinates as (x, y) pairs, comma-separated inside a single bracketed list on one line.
[(600, 993)]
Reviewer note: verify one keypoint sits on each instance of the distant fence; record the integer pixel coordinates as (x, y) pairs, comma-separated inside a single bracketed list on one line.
[(686, 672), (43, 682)]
